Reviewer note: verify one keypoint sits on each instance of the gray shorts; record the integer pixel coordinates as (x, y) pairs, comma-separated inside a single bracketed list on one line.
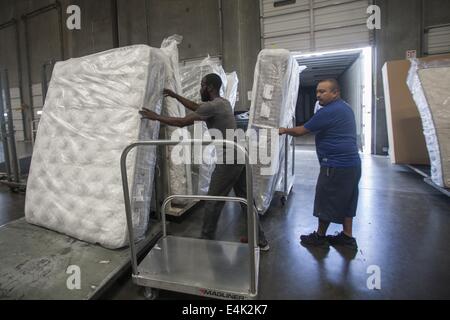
[(337, 194)]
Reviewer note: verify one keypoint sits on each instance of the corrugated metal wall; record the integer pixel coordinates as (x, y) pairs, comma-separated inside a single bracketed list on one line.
[(437, 39), (17, 114), (315, 25)]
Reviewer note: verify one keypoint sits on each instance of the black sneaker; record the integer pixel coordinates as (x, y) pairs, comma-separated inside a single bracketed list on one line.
[(314, 240), (341, 239), (263, 245)]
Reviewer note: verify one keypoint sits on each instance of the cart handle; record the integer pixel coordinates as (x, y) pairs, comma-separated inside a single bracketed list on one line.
[(196, 197)]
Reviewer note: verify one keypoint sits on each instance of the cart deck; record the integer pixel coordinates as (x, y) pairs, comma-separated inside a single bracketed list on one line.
[(195, 266)]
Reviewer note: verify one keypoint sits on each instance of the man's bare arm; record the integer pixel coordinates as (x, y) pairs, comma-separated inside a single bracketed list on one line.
[(171, 121), (191, 105), (296, 132)]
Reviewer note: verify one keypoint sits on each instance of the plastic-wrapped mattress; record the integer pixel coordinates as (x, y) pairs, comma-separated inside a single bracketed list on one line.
[(90, 116), (232, 88), (274, 97), (193, 73), (179, 175), (429, 83)]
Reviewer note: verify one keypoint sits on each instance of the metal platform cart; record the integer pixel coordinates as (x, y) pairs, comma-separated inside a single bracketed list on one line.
[(209, 268)]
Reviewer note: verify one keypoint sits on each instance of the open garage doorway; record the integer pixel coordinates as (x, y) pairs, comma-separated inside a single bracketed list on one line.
[(353, 69)]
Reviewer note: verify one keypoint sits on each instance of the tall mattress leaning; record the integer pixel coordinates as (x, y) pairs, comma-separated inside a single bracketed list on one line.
[(429, 83), (274, 96), (179, 175), (89, 117)]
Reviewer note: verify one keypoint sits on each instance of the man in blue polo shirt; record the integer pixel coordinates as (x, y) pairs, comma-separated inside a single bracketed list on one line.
[(340, 166)]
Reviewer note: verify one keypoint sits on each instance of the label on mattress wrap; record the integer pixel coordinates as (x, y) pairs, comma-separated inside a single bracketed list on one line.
[(265, 111), (268, 91), (139, 196)]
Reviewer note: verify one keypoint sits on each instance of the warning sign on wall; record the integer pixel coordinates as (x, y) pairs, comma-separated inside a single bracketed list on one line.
[(411, 54)]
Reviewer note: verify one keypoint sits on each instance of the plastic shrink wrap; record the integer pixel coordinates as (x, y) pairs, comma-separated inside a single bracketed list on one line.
[(232, 88), (429, 83), (274, 97), (178, 172), (90, 115)]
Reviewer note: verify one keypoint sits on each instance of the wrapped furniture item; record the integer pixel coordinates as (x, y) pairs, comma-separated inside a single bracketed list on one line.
[(232, 88), (193, 73), (274, 97), (90, 116), (178, 176), (429, 83)]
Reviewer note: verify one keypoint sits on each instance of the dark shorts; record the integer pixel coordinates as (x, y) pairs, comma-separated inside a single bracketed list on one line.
[(337, 194)]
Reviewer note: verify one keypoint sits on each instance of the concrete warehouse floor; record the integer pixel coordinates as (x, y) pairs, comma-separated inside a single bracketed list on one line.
[(402, 226)]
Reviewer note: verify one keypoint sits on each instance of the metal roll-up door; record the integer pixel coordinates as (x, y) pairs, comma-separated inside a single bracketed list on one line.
[(437, 39), (315, 25)]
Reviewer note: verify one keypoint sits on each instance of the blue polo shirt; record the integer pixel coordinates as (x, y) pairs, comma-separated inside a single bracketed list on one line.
[(335, 129)]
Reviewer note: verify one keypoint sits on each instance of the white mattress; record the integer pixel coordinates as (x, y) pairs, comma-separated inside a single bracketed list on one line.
[(430, 86), (90, 116), (274, 97)]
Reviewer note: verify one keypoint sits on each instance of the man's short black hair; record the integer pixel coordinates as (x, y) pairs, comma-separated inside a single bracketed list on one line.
[(334, 84), (213, 80)]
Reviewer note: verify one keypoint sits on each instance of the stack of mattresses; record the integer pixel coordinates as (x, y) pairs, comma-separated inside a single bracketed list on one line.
[(90, 115)]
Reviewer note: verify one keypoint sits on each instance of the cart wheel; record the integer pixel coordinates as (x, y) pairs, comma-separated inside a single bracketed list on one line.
[(150, 293), (283, 201)]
